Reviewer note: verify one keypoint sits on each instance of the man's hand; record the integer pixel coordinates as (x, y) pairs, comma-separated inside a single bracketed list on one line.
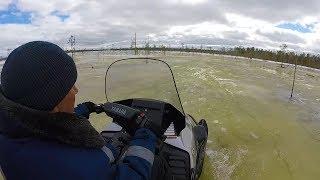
[(85, 109), (158, 128)]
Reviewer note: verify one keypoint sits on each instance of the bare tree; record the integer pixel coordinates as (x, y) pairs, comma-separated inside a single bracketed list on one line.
[(283, 48)]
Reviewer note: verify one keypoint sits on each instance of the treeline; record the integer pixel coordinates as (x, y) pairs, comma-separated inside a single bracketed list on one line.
[(304, 59), (283, 56)]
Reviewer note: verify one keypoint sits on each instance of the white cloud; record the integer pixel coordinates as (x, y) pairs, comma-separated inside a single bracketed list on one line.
[(4, 4), (188, 2), (46, 7), (202, 29), (98, 22)]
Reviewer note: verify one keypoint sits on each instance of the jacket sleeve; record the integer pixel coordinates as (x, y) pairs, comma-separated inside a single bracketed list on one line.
[(138, 159)]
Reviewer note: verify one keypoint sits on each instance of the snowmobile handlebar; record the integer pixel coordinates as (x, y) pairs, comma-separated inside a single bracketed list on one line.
[(127, 117), (118, 111)]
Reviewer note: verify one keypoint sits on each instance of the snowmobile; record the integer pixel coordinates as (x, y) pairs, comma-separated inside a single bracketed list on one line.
[(147, 85)]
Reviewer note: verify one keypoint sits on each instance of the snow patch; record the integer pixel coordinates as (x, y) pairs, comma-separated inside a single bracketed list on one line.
[(253, 135), (271, 71), (223, 129)]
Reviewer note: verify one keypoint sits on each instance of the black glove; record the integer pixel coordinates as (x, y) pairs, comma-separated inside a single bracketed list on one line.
[(119, 140), (85, 109), (158, 128)]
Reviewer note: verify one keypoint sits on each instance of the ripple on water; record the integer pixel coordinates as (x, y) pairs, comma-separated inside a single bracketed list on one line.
[(222, 164)]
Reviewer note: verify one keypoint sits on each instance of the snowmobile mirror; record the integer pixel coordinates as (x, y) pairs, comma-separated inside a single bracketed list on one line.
[(179, 126), (178, 118), (200, 133)]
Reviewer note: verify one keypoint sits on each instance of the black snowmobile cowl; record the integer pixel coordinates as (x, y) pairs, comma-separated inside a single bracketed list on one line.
[(146, 85)]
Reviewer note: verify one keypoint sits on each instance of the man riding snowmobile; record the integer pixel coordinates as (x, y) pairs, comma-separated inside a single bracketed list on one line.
[(42, 138)]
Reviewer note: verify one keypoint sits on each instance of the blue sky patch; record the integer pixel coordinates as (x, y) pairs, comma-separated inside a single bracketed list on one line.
[(12, 15), (62, 17), (296, 27)]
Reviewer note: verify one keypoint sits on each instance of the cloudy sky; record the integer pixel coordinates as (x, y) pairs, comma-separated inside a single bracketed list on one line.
[(101, 23)]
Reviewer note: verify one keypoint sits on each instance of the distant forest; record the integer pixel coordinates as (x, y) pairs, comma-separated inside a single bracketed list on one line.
[(303, 59), (283, 56)]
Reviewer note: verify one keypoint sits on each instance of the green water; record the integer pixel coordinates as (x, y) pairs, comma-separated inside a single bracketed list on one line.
[(255, 131)]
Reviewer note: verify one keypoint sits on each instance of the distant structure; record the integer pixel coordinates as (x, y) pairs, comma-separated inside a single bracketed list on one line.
[(72, 42), (182, 45), (147, 46), (8, 51), (134, 44)]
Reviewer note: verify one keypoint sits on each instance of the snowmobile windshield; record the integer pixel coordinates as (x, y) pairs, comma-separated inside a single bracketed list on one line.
[(144, 78)]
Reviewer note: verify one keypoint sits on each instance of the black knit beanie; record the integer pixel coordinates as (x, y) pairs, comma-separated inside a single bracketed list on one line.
[(38, 75)]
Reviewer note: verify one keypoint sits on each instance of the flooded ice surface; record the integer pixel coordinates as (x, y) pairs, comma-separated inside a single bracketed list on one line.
[(255, 131)]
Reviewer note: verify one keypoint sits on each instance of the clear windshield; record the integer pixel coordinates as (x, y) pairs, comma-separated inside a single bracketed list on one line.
[(141, 78)]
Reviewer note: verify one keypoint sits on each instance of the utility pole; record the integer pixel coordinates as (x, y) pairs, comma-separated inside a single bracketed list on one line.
[(294, 78), (135, 44)]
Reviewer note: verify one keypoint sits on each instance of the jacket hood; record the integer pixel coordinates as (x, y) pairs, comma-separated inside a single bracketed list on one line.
[(18, 121)]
